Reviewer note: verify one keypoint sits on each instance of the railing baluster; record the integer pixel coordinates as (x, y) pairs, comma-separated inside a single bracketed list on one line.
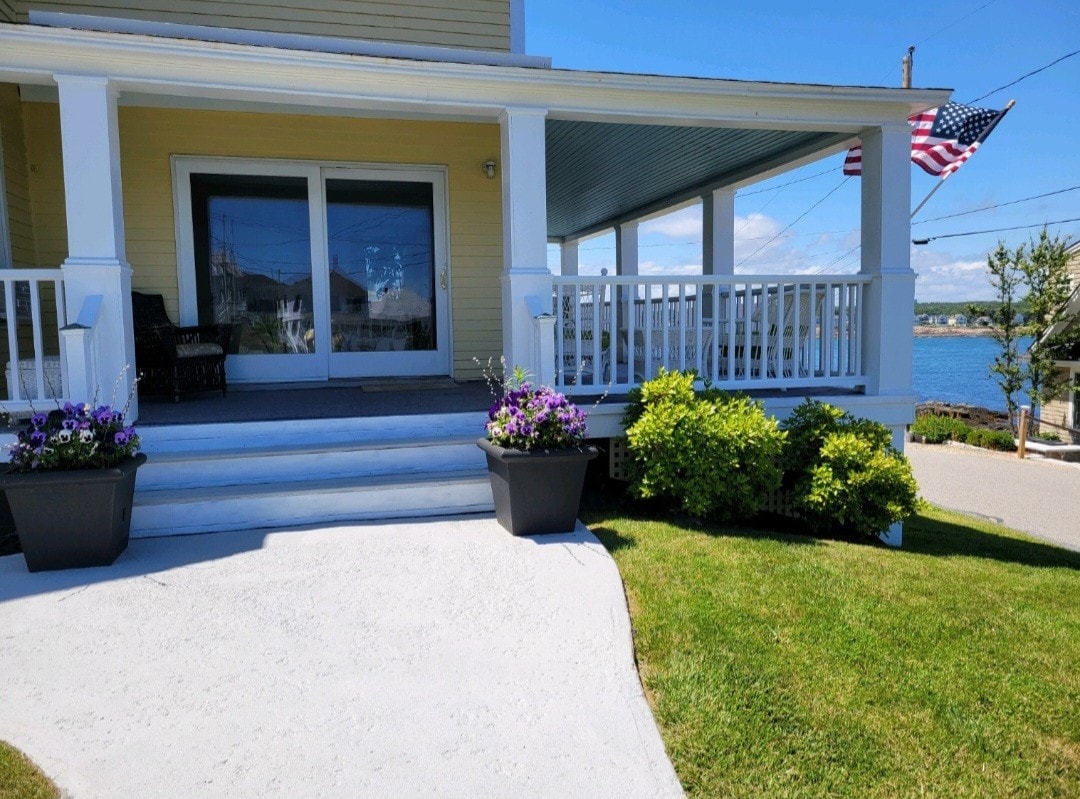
[(859, 328), (39, 344), (14, 374), (841, 337)]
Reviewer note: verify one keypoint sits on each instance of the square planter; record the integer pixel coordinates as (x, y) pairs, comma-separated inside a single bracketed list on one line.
[(537, 491), (69, 520)]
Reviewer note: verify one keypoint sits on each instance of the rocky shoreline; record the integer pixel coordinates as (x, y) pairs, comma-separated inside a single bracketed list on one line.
[(941, 331), (972, 415)]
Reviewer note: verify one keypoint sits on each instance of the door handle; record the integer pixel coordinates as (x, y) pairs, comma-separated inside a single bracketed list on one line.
[(442, 280)]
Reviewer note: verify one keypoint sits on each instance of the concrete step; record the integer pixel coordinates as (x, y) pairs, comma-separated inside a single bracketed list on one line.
[(218, 437), (287, 463), (206, 509)]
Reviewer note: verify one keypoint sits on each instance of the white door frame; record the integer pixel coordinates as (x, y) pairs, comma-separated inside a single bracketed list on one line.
[(319, 365)]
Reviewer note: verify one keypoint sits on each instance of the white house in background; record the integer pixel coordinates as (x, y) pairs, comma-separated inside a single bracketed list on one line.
[(384, 182)]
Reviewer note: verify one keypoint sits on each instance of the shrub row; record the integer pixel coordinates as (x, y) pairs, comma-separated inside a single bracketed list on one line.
[(716, 455), (939, 429)]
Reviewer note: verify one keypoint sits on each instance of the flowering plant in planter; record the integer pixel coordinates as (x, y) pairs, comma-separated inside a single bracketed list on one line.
[(73, 438), (537, 457), (528, 417)]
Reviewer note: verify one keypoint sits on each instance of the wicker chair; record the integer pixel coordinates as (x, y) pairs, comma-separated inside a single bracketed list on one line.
[(173, 360)]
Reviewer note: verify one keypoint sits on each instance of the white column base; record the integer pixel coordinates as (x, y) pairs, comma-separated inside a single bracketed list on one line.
[(114, 335), (520, 347)]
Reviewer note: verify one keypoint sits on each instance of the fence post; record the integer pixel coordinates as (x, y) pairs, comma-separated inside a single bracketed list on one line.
[(1025, 412)]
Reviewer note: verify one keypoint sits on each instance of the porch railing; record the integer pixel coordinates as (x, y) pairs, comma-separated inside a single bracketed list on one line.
[(33, 366), (737, 332)]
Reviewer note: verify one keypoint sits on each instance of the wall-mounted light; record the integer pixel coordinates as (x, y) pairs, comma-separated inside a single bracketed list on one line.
[(489, 169)]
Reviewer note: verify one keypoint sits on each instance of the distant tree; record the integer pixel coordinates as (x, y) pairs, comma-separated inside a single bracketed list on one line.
[(1044, 266), (1005, 279)]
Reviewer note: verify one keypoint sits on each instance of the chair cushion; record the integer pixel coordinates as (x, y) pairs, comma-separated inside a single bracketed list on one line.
[(199, 350)]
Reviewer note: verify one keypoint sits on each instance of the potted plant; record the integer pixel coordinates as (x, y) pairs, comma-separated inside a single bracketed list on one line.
[(536, 456), (70, 485)]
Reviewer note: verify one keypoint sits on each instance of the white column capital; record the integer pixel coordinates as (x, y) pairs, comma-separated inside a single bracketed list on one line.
[(521, 112), (568, 258), (101, 81)]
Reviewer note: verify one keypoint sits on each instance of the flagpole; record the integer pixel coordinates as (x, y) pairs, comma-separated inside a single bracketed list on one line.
[(982, 136)]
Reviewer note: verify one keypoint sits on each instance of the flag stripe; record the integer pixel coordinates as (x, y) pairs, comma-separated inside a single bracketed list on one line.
[(942, 139)]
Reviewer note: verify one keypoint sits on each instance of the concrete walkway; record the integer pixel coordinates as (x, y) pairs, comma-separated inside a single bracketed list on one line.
[(443, 658), (1037, 496)]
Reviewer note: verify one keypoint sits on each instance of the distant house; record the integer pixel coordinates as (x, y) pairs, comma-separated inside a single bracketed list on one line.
[(958, 320), (983, 321), (1065, 410), (940, 319)]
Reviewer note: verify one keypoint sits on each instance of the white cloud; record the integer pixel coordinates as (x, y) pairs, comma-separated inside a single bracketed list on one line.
[(680, 224)]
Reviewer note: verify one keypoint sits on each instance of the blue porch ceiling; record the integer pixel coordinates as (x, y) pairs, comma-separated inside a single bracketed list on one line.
[(600, 172)]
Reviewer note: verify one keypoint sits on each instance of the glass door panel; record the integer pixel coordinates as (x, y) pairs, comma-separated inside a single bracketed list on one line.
[(386, 306), (253, 271)]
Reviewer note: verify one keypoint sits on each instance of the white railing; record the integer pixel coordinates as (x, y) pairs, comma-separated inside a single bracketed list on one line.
[(33, 376), (740, 332)]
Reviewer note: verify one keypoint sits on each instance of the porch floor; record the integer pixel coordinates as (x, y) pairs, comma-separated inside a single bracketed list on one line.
[(336, 399), (340, 399)]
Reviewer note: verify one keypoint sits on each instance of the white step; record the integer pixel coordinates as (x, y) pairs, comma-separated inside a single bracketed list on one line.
[(223, 508), (215, 437), (199, 468)]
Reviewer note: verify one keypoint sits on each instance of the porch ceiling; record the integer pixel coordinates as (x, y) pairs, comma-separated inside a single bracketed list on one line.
[(600, 172)]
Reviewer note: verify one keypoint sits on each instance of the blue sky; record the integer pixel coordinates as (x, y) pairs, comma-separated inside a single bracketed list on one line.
[(971, 46)]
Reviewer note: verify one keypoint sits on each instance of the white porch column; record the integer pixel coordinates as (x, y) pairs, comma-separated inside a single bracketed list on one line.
[(524, 202), (889, 299), (568, 258), (718, 232), (97, 260), (626, 248)]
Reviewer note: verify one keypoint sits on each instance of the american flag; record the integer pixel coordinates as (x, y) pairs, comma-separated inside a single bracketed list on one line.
[(942, 139)]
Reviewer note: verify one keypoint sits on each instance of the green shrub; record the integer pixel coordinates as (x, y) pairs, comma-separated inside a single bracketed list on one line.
[(939, 429), (1046, 435), (810, 424), (857, 487), (843, 474), (711, 454), (990, 439)]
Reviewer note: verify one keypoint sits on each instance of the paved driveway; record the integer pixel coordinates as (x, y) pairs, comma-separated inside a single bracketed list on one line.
[(1037, 496), (443, 658)]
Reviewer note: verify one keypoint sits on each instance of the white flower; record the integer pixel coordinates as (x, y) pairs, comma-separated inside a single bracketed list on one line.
[(63, 436), (86, 436)]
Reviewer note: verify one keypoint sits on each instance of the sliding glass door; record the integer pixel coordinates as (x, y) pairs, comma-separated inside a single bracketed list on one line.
[(319, 271)]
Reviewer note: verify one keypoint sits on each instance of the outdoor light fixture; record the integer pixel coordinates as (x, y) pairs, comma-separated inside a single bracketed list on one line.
[(489, 169), (920, 241)]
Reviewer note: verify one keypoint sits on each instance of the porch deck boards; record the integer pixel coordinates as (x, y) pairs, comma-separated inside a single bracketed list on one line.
[(332, 400), (351, 399)]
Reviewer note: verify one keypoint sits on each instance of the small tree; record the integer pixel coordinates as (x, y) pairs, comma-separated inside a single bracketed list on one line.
[(1006, 279), (1045, 270)]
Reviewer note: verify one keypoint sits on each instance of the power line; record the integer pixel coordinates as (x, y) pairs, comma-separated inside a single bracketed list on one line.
[(994, 230), (796, 221), (999, 205), (789, 183), (1028, 75)]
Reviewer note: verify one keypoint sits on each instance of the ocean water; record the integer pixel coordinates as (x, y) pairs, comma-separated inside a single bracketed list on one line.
[(957, 369)]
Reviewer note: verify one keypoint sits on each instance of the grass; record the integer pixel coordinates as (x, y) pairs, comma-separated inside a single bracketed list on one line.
[(780, 665), (21, 779)]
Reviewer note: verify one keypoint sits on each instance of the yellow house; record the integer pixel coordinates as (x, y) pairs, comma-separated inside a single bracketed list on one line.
[(361, 190)]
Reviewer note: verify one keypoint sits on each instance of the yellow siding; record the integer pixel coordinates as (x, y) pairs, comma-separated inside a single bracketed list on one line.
[(7, 11), (476, 24), (16, 178), (149, 136)]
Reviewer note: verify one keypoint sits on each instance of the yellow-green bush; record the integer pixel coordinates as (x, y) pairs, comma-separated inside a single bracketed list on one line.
[(711, 454)]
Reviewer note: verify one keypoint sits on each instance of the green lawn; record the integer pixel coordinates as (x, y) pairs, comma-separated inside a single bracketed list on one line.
[(20, 779), (780, 665)]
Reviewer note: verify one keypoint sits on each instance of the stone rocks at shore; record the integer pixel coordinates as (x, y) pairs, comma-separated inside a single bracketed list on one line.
[(971, 415)]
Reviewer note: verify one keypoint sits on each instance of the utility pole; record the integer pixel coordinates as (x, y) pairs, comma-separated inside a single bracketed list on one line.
[(905, 69)]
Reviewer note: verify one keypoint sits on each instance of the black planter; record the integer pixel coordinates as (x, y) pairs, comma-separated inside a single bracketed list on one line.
[(538, 491), (70, 520)]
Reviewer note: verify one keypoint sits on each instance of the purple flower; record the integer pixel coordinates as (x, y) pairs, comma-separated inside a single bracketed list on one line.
[(38, 419), (121, 438), (37, 438), (69, 424)]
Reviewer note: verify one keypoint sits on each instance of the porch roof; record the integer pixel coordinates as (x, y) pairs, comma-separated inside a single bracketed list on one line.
[(599, 173), (619, 146)]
